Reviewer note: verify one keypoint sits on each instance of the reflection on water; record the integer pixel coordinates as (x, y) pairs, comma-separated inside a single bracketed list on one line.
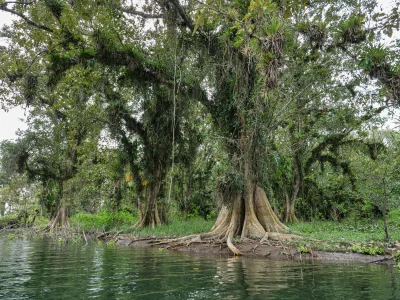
[(41, 270)]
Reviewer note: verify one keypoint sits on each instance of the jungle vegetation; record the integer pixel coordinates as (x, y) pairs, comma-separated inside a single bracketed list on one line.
[(255, 113)]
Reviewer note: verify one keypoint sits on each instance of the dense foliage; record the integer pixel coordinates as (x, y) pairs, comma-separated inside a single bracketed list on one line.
[(262, 110)]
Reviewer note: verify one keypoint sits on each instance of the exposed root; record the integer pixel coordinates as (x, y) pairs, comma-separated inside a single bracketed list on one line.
[(248, 218), (149, 218), (60, 219), (254, 249), (232, 247), (274, 236), (265, 213), (291, 217), (264, 239)]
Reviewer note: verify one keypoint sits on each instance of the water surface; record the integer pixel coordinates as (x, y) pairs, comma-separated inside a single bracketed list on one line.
[(42, 270)]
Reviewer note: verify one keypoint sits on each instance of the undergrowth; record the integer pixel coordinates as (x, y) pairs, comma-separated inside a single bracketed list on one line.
[(348, 230), (124, 222), (175, 228), (103, 221), (365, 237)]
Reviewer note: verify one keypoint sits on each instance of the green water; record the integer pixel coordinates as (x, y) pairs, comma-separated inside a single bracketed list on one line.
[(42, 270)]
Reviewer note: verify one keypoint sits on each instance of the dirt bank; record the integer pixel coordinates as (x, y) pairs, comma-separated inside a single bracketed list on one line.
[(252, 248), (272, 250)]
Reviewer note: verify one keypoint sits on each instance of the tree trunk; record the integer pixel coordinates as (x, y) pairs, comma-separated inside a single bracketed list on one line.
[(149, 215), (187, 194), (387, 237), (2, 208), (139, 207), (60, 218), (249, 215), (290, 215)]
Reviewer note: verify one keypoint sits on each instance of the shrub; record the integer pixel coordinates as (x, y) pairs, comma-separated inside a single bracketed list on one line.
[(370, 250), (394, 216), (103, 221)]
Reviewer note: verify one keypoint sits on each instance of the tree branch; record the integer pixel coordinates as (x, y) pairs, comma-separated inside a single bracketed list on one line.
[(133, 11), (3, 7), (181, 12), (18, 2), (135, 126)]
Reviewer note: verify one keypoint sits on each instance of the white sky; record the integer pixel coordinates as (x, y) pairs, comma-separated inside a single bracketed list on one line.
[(12, 120)]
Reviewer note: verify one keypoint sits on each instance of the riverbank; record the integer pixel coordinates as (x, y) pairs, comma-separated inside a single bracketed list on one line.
[(299, 250), (46, 269), (361, 241), (253, 248)]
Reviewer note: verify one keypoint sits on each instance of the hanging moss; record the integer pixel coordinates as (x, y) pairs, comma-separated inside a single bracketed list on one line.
[(315, 33), (55, 6), (14, 76), (352, 30), (30, 88), (376, 62), (59, 63), (68, 39)]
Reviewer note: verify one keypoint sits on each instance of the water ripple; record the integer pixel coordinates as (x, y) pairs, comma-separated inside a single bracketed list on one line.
[(42, 270)]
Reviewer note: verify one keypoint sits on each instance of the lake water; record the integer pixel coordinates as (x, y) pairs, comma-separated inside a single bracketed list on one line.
[(42, 270)]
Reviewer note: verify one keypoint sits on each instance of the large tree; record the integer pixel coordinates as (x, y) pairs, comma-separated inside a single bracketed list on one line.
[(230, 60)]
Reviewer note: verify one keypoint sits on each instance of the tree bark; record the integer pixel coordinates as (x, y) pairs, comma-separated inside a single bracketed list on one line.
[(150, 215), (290, 215), (60, 218), (2, 208), (249, 214), (187, 193)]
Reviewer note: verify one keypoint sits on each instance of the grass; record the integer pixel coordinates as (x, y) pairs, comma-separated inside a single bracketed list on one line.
[(365, 236), (349, 231), (124, 222), (4, 219), (103, 221), (177, 227), (39, 220)]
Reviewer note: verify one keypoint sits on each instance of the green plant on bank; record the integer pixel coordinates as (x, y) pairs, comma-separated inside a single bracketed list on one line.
[(394, 216), (369, 250), (111, 243), (363, 231), (177, 227), (303, 249), (11, 236), (124, 222), (8, 217), (104, 221), (39, 221), (396, 258)]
